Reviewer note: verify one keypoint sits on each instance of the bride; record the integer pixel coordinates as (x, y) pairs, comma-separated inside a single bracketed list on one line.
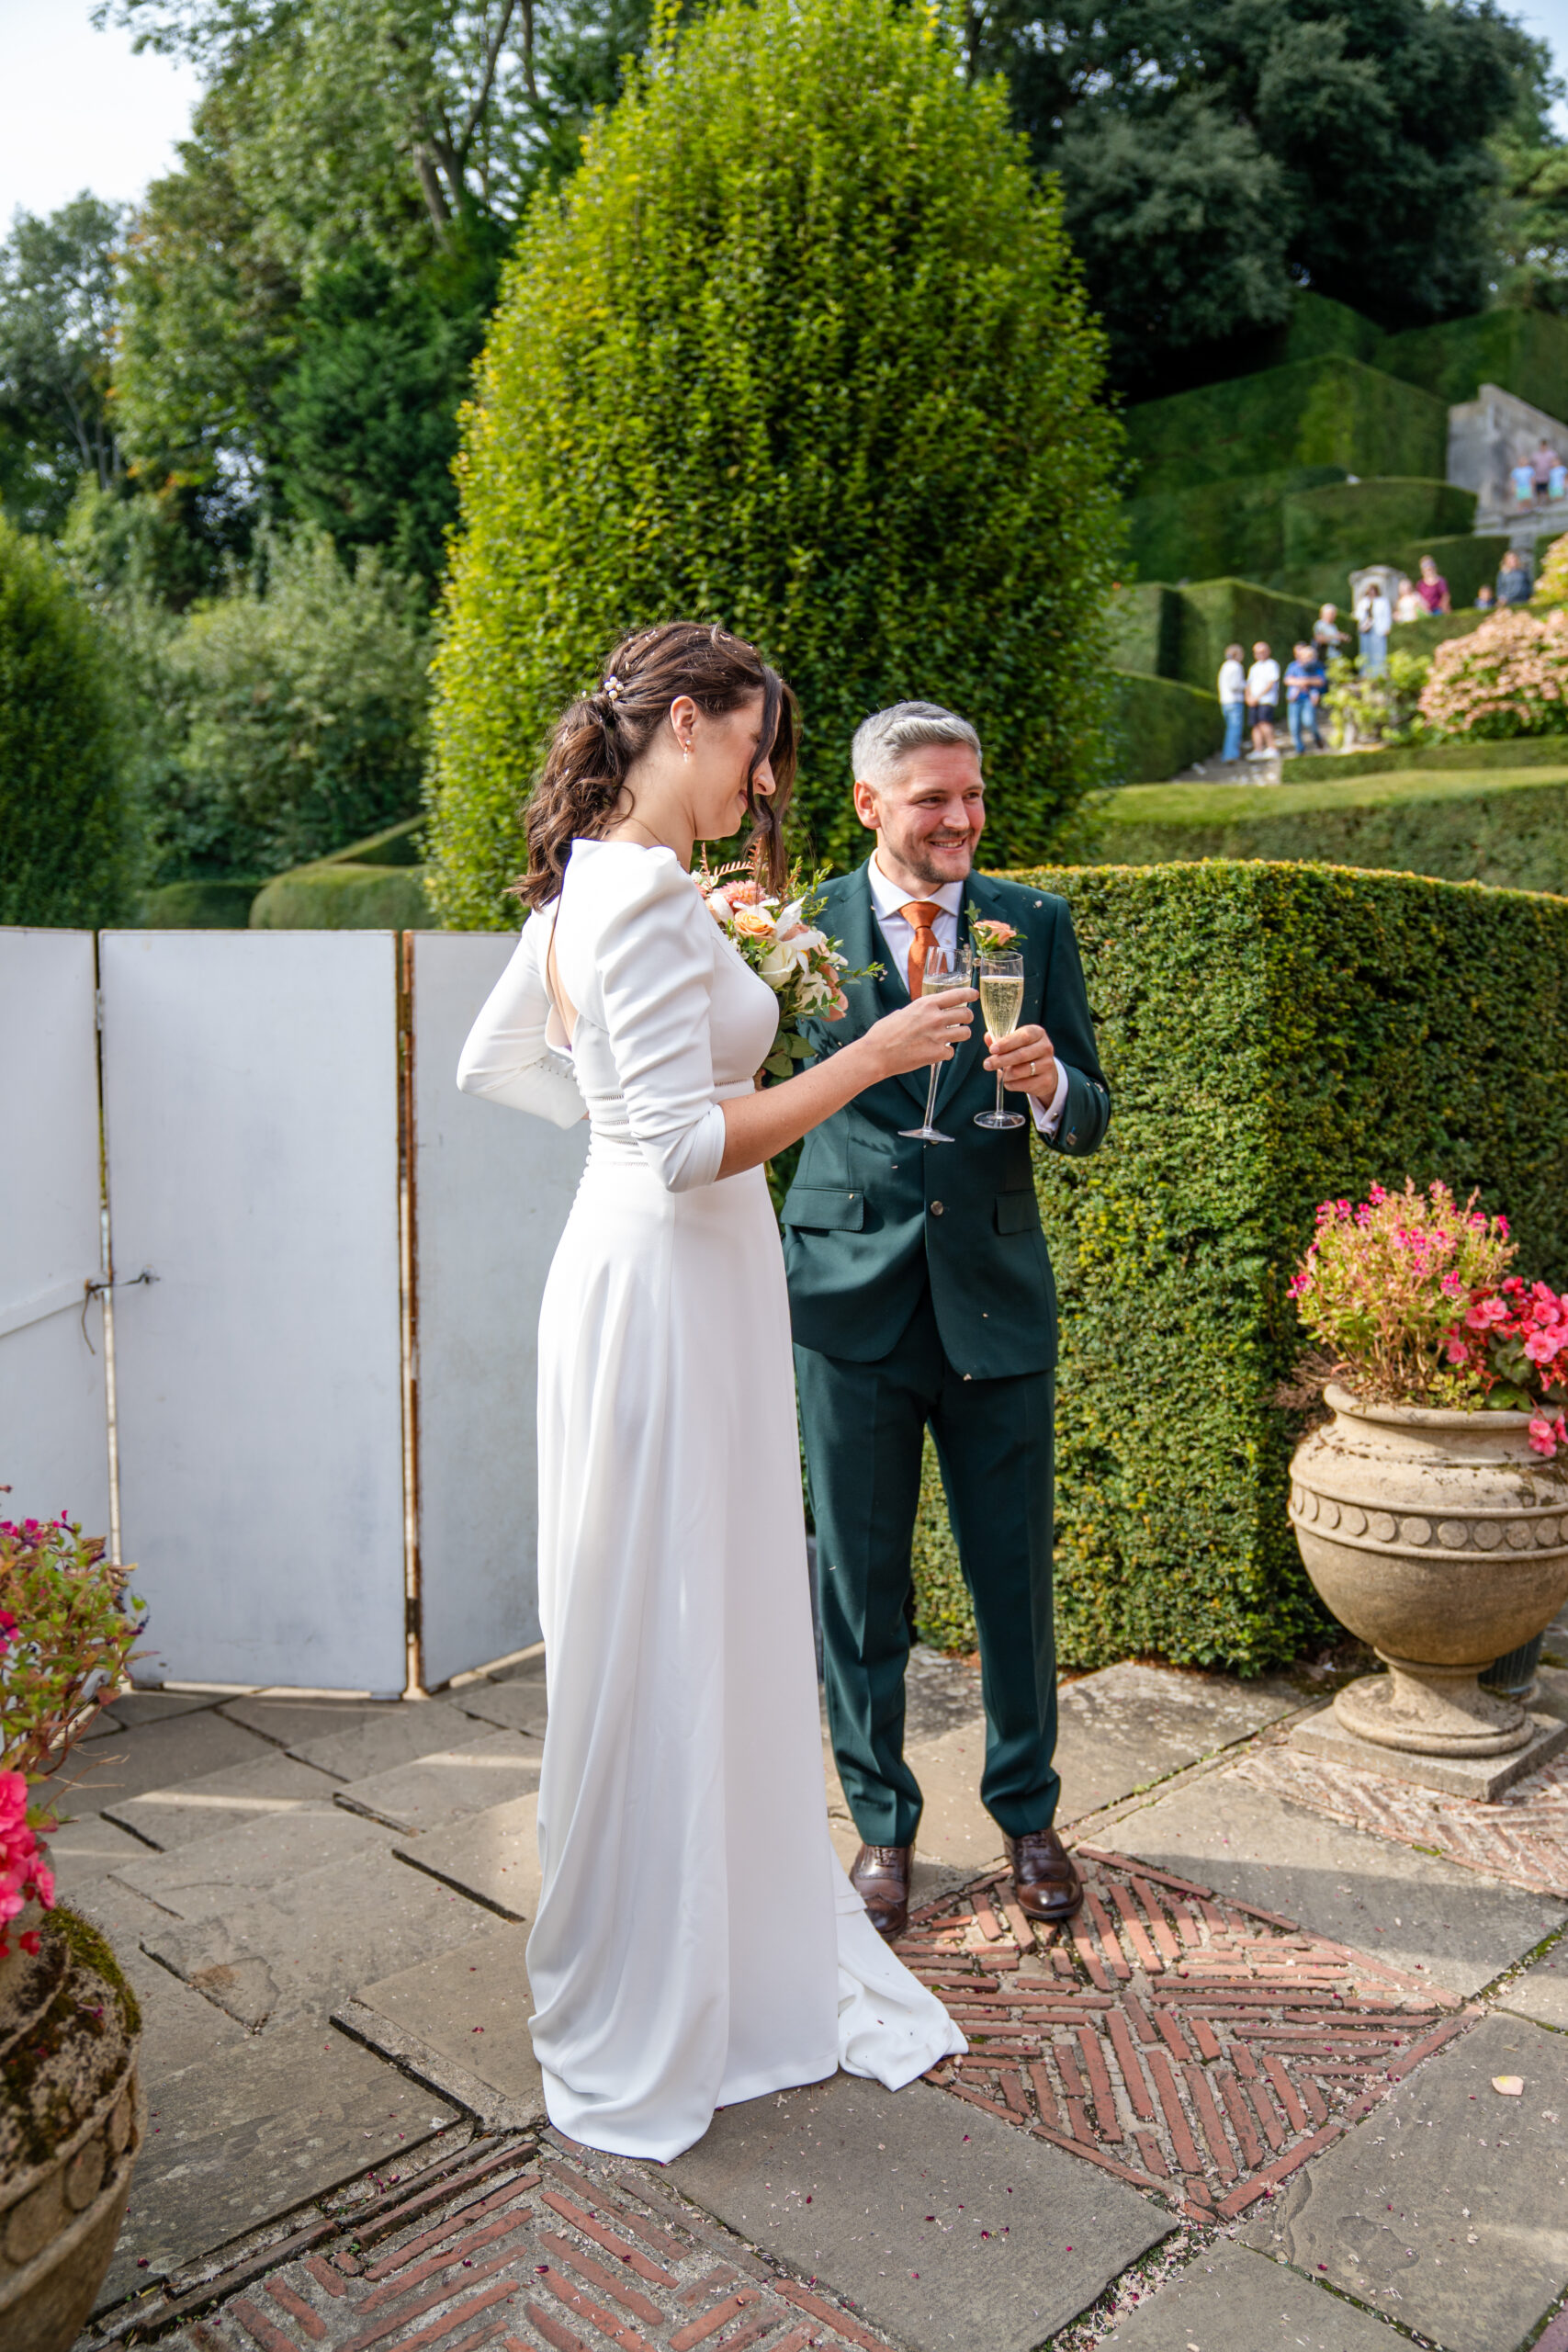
[(696, 1942)]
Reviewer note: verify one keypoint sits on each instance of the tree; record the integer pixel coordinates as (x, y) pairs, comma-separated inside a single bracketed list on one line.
[(293, 712), (57, 315), (64, 849), (1375, 121), (802, 348)]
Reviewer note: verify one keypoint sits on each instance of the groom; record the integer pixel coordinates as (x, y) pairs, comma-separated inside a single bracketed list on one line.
[(921, 1296)]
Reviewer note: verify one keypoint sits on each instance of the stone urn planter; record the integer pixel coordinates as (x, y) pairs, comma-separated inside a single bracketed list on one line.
[(71, 2118), (1441, 1539)]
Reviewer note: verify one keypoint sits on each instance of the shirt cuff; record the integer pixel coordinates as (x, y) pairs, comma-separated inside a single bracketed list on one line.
[(1048, 1116)]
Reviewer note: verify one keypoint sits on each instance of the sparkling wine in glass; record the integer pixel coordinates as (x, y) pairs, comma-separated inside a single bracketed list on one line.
[(938, 975), (1000, 980)]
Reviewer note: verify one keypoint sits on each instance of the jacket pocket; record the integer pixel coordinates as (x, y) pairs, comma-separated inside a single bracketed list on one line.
[(824, 1212), (1017, 1213)]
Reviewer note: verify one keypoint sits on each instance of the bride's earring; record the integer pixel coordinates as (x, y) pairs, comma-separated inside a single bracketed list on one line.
[(686, 753)]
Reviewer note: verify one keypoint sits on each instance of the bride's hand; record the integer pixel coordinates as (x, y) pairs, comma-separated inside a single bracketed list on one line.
[(927, 1030)]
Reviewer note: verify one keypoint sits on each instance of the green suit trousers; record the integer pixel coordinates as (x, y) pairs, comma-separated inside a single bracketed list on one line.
[(864, 1426)]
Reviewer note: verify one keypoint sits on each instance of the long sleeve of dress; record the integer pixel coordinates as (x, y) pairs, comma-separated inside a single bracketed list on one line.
[(507, 1057), (654, 955)]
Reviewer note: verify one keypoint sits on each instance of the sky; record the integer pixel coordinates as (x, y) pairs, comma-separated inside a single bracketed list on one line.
[(79, 109)]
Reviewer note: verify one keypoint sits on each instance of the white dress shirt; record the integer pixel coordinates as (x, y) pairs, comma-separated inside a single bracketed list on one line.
[(887, 900)]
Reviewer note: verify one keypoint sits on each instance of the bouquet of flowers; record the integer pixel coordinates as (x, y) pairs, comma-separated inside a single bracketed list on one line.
[(1411, 1294), (778, 939), (67, 1634)]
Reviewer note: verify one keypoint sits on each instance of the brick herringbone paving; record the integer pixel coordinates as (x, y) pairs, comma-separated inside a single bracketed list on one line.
[(525, 2253), (1187, 2043), (1521, 1835)]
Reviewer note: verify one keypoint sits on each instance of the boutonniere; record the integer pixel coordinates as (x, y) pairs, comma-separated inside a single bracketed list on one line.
[(990, 938)]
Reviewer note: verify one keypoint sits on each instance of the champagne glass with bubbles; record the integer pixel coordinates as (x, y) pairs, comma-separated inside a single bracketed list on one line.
[(938, 975), (1000, 980)]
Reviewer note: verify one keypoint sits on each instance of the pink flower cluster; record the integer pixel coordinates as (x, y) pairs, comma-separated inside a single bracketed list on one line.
[(1513, 1342), (23, 1874), (1507, 677)]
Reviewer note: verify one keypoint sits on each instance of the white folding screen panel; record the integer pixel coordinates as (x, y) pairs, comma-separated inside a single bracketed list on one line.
[(492, 1189), (251, 1113), (53, 1427)]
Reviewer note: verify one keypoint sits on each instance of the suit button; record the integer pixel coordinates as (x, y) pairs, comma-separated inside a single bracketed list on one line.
[(936, 1208)]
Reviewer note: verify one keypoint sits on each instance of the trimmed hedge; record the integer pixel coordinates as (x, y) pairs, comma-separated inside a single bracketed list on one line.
[(198, 906), (1144, 629), (1465, 563), (1272, 1035), (1505, 827), (1524, 352), (1351, 523), (1327, 412), (1511, 752), (1165, 727), (1219, 527), (377, 884), (67, 735), (1217, 613)]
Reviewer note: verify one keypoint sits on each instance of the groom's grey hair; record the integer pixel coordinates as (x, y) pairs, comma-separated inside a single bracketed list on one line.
[(889, 736)]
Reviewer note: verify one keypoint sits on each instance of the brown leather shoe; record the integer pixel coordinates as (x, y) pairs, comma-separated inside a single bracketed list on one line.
[(1045, 1877), (881, 1879)]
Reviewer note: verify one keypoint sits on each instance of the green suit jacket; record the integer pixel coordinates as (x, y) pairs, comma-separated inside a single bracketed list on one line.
[(870, 1216)]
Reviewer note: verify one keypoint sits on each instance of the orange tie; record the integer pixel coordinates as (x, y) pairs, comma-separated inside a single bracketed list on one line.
[(922, 913)]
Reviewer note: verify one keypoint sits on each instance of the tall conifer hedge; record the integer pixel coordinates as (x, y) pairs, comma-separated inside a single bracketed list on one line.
[(65, 847), (801, 348)]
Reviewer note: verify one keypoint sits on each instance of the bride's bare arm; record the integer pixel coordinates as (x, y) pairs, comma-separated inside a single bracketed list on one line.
[(759, 1126)]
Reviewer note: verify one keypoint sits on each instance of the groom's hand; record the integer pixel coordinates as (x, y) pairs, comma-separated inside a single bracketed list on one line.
[(1026, 1061)]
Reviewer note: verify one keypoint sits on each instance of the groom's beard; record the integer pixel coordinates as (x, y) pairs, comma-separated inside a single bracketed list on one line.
[(920, 860)]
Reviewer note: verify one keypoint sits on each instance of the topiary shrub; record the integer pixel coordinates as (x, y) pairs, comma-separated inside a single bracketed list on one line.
[(65, 833), (802, 348), (1165, 727)]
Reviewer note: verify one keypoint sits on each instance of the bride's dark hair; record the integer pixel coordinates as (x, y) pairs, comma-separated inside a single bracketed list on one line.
[(581, 791)]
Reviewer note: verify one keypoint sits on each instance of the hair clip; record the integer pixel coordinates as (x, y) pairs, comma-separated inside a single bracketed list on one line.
[(612, 688)]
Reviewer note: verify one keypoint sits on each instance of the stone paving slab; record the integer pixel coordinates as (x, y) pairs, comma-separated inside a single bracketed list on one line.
[(1541, 1991), (132, 1707), (150, 1756), (83, 1850), (459, 2022), (1522, 1836), (303, 1946), (1230, 2300), (257, 2130), (436, 1789), (1410, 1910), (179, 2028), (493, 1856), (1130, 1726), (511, 1706), (1446, 2207), (211, 1874), (264, 1788), (942, 2226), (286, 1720), (1483, 1778), (396, 1733)]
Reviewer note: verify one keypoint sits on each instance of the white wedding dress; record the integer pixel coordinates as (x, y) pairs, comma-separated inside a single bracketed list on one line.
[(697, 1942)]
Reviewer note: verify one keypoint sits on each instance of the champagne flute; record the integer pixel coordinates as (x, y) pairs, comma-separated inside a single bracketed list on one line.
[(1002, 1001), (938, 975)]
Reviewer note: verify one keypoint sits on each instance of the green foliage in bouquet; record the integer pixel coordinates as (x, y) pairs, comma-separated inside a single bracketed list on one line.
[(803, 348)]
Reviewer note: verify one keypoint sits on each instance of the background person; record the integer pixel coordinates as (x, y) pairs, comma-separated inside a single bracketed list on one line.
[(1408, 604), (1513, 578), (1374, 619), (1485, 598), (1263, 694), (1543, 465), (1232, 701), (1432, 588), (1304, 680), (1326, 633)]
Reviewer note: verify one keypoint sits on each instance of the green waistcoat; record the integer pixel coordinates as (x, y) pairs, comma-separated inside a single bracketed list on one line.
[(870, 1216)]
